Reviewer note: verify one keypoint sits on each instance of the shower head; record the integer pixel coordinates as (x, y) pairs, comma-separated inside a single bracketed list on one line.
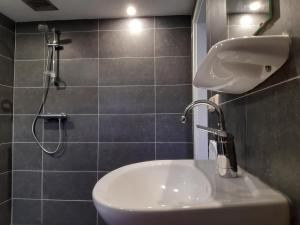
[(43, 28)]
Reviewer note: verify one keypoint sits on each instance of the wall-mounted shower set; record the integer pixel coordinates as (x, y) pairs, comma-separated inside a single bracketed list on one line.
[(51, 73)]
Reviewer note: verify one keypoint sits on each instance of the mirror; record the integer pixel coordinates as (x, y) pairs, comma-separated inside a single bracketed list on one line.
[(247, 17)]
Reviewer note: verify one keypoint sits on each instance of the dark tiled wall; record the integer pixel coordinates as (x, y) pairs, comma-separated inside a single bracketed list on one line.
[(266, 120), (124, 93), (6, 108)]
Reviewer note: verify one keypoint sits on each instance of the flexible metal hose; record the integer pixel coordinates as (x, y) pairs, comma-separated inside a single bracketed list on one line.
[(45, 94)]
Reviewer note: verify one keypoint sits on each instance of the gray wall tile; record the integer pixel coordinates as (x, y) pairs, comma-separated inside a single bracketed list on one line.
[(173, 99), (27, 100), (172, 21), (123, 24), (173, 42), (26, 212), (7, 40), (257, 18), (29, 46), (81, 45), (174, 151), (22, 128), (5, 184), (60, 25), (79, 72), (241, 31), (29, 73), (126, 128), (126, 71), (115, 155), (74, 25), (73, 157), (7, 22), (5, 212), (7, 46), (125, 44), (68, 185), (6, 71), (27, 184), (77, 128), (6, 102), (122, 100), (5, 157), (28, 27), (170, 129), (235, 111), (27, 156), (173, 70), (76, 213), (272, 151), (74, 100), (5, 128)]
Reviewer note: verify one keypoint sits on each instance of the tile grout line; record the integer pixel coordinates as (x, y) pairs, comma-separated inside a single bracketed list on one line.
[(62, 171), (7, 86), (104, 114), (6, 201), (5, 143), (57, 200), (108, 30), (6, 57), (13, 132), (109, 58), (43, 134), (6, 172), (105, 142), (155, 97), (110, 86), (98, 75), (246, 135)]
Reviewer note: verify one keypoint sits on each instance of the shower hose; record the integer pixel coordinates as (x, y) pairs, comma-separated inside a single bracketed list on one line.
[(33, 127)]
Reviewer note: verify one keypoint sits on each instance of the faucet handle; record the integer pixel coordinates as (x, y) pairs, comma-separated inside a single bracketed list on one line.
[(216, 132)]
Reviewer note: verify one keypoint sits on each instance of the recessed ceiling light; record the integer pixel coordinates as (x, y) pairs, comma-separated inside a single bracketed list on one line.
[(254, 6), (131, 10)]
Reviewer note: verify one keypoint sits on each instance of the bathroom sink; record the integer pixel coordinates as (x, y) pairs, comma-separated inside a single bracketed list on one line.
[(186, 192)]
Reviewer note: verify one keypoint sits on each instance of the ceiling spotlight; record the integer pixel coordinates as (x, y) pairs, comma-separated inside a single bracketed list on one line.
[(254, 6), (131, 11)]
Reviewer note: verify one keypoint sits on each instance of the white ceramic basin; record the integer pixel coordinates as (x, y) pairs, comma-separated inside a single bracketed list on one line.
[(239, 64), (186, 192)]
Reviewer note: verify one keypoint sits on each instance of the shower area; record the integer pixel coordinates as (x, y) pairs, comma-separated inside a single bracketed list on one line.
[(80, 98)]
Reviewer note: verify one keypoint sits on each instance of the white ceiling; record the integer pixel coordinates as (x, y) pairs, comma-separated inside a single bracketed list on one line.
[(89, 9)]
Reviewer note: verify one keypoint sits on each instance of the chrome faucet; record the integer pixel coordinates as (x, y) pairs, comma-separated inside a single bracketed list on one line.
[(226, 158)]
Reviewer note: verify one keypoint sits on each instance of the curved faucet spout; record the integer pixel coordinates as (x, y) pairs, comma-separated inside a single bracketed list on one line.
[(226, 160), (221, 121)]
